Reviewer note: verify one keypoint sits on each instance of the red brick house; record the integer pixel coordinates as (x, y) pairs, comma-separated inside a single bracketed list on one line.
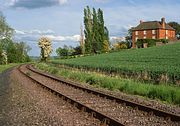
[(152, 30)]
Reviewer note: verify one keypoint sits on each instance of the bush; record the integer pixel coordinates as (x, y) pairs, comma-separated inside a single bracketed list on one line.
[(150, 42)]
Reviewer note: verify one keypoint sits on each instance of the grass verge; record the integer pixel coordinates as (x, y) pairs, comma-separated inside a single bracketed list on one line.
[(166, 93), (5, 67)]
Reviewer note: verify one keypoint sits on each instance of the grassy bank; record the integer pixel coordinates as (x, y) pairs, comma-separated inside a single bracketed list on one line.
[(4, 67), (155, 64), (169, 94)]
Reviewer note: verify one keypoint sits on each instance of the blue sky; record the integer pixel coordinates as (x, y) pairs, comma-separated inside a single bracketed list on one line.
[(60, 19)]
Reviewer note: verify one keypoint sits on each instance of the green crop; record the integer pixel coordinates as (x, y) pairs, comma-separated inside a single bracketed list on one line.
[(157, 63)]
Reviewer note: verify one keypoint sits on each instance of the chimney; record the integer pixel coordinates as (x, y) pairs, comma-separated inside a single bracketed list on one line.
[(163, 22), (141, 21)]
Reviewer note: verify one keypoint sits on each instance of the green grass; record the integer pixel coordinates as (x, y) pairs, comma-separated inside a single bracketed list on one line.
[(4, 67), (169, 94), (156, 61)]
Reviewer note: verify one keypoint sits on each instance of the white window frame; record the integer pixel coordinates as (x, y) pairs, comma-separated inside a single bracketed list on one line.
[(136, 32), (166, 37), (153, 37), (153, 31), (145, 32), (144, 37)]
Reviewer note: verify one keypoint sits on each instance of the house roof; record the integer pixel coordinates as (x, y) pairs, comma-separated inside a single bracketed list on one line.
[(152, 25)]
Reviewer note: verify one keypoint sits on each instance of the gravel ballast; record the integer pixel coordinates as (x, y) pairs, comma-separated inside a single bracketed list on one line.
[(25, 103), (122, 113)]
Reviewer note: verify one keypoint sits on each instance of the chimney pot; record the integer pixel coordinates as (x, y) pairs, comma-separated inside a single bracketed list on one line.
[(141, 21)]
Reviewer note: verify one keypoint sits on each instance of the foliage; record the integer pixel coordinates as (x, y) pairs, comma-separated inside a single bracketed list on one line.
[(95, 31), (154, 61), (10, 51), (5, 30), (150, 42), (61, 52), (7, 66), (166, 93), (88, 29), (3, 58), (106, 46), (46, 48), (120, 45), (176, 26), (129, 38)]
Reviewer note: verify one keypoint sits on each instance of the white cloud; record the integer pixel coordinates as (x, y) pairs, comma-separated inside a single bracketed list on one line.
[(64, 38), (61, 2), (19, 32), (34, 35)]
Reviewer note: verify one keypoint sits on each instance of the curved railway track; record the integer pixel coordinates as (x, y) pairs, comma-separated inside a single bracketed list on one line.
[(109, 109)]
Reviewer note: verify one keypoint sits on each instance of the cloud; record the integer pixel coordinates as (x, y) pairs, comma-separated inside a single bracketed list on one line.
[(34, 35), (101, 1), (32, 4)]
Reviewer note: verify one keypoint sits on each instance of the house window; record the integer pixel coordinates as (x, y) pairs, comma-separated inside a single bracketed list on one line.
[(145, 32), (136, 38), (136, 32), (144, 37), (153, 37), (166, 37), (153, 32)]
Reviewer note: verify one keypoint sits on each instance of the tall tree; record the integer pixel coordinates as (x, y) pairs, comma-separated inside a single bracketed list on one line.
[(96, 34), (106, 43), (129, 38), (95, 40), (101, 28), (82, 47), (176, 26), (88, 29)]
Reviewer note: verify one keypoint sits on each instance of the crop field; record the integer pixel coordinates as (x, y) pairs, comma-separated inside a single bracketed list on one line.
[(155, 63)]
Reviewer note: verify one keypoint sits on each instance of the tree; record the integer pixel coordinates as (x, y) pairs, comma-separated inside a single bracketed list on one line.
[(128, 38), (46, 48), (88, 29), (95, 31), (106, 47), (5, 30), (95, 37), (176, 26), (101, 28)]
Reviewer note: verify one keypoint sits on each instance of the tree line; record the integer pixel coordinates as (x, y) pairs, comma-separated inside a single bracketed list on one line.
[(10, 51)]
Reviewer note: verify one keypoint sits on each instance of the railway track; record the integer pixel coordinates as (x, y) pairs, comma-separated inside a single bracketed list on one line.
[(109, 109)]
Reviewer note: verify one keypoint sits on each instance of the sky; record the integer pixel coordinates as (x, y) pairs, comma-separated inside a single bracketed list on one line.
[(60, 20)]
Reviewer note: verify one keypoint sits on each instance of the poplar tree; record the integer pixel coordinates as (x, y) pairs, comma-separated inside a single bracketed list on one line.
[(95, 42), (88, 29), (101, 28), (96, 34)]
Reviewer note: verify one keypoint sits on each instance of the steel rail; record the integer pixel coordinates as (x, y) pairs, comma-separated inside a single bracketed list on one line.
[(145, 108), (105, 119)]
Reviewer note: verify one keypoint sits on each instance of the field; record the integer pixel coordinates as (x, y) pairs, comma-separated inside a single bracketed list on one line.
[(157, 64)]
